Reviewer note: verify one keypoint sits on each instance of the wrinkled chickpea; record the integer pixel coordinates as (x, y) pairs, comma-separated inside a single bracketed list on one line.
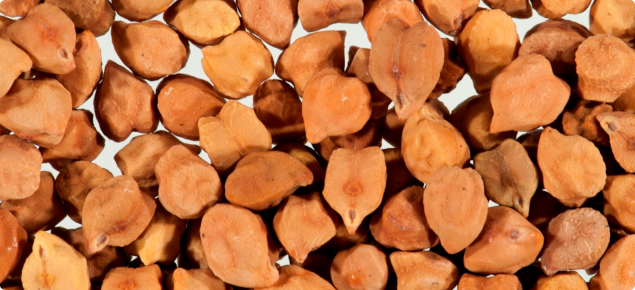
[(274, 27), (279, 108), (75, 181), (614, 17), (615, 266), (554, 9), (360, 267), (379, 12), (368, 136), (20, 163), (12, 244), (82, 81), (448, 16), (201, 279), (148, 278), (561, 281), (15, 62), (140, 10), (513, 8), (425, 270), (496, 282), (292, 277), (358, 67), (620, 127), (203, 21)]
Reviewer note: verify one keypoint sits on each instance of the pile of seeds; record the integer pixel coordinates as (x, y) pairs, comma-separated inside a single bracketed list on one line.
[(550, 139)]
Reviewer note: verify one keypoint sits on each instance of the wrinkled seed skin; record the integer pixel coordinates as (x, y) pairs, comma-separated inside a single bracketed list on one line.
[(310, 54), (74, 182), (92, 15), (507, 243), (487, 51), (124, 103), (581, 120), (360, 267), (236, 247), (554, 9), (358, 67), (509, 176), (294, 277), (147, 278), (303, 224), (455, 206), (187, 184), (616, 266), (48, 36), (194, 279), (497, 282), (135, 10), (203, 21), (472, 118), (37, 110), (379, 12), (620, 127), (150, 49), (618, 200), (182, 100), (82, 81), (561, 281), (40, 211), (448, 16), (99, 263), (254, 185), (231, 135), (307, 156), (279, 108), (20, 163), (368, 136), (575, 239), (12, 244), (526, 95), (334, 105), (602, 67), (452, 72), (105, 21), (615, 17), (15, 62), (238, 65), (17, 8), (274, 27), (355, 183), (54, 265), (424, 270), (315, 15), (401, 222), (513, 8), (420, 144), (115, 213), (571, 166), (405, 63)]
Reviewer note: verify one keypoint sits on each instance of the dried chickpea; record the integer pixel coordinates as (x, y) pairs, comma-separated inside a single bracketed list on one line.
[(105, 20), (344, 240), (187, 184), (192, 253), (448, 16), (405, 63), (307, 156), (182, 100), (561, 281), (575, 239), (507, 243), (161, 240), (581, 120), (452, 72), (509, 176), (572, 167), (99, 263), (15, 62), (254, 185), (334, 105), (147, 278), (496, 282), (616, 266), (358, 67), (355, 183), (237, 247), (115, 213), (554, 9), (614, 17), (472, 118), (150, 49), (455, 206), (140, 10), (194, 279), (294, 277), (513, 8), (317, 14), (398, 175), (303, 223), (602, 63), (84, 13), (75, 181), (274, 27), (124, 103), (37, 110), (279, 108), (203, 21), (20, 164), (379, 12), (368, 136), (40, 211), (424, 270), (401, 223), (617, 197), (238, 65), (526, 95), (81, 141), (17, 8), (82, 81), (360, 267), (422, 136), (488, 43), (620, 127), (47, 35), (310, 54), (54, 265), (12, 244)]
